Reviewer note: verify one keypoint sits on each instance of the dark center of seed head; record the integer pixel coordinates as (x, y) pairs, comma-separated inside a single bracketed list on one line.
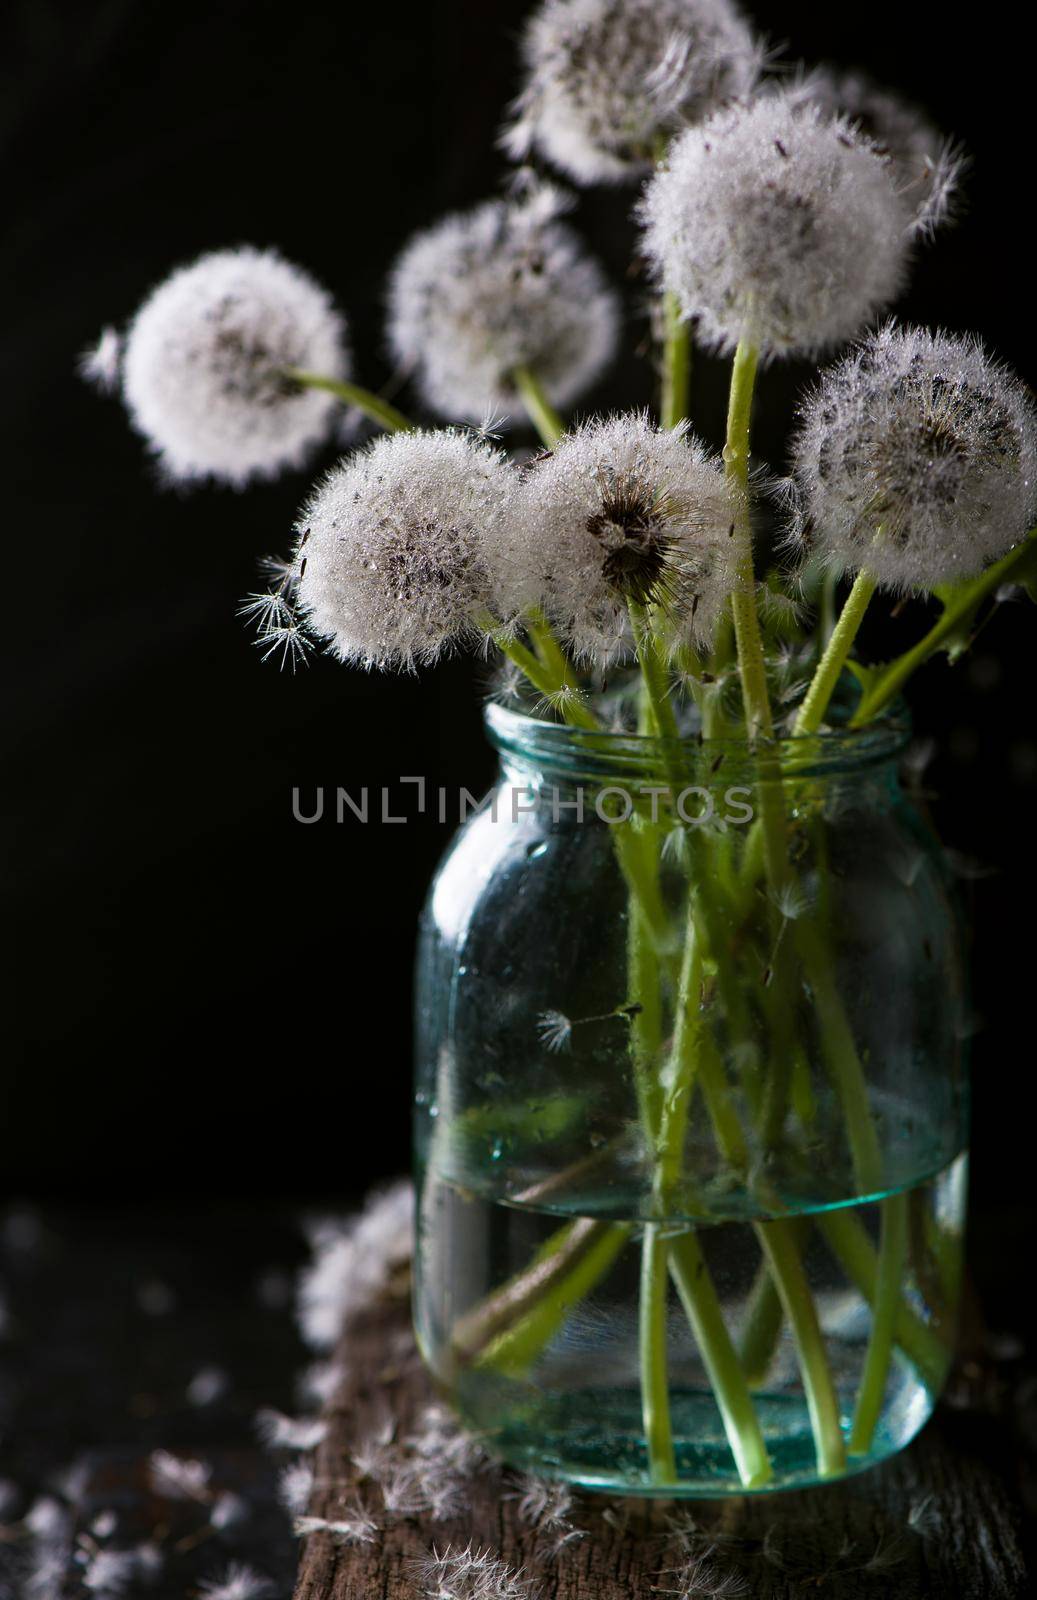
[(631, 531)]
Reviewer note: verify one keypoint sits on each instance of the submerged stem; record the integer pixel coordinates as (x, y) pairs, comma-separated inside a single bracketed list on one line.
[(655, 1387), (890, 1271), (720, 1359), (778, 1242)]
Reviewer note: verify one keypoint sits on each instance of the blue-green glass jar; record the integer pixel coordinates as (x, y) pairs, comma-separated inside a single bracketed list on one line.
[(691, 1110)]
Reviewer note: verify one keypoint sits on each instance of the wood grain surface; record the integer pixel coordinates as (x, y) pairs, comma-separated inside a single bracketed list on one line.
[(939, 1521)]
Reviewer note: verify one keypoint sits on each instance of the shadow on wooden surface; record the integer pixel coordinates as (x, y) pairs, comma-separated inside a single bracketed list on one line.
[(939, 1521)]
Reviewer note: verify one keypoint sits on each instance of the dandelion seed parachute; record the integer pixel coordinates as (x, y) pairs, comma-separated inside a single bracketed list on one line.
[(916, 457), (501, 287), (607, 79), (101, 365), (926, 166), (620, 511), (204, 360), (236, 1582), (404, 545), (777, 224)]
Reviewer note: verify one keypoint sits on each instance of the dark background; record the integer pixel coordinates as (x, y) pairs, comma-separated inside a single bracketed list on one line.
[(204, 996)]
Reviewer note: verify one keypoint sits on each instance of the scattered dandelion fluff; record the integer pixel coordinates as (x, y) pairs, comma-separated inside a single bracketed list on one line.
[(177, 1478), (354, 1263), (927, 167), (555, 1031), (700, 1577), (353, 1525), (606, 80), (228, 1510), (620, 511), (203, 369), (207, 1386), (100, 366), (776, 224), (237, 1582), (403, 545), (916, 457), (471, 1574), (491, 290), (295, 1486), (279, 1432)]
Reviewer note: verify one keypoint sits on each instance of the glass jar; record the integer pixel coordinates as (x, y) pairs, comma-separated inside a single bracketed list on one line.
[(690, 1110)]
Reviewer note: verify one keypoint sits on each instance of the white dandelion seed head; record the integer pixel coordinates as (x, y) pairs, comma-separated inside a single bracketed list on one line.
[(606, 80), (236, 1582), (927, 167), (623, 510), (916, 457), (404, 544), (487, 291), (354, 1263), (204, 362), (776, 224), (101, 365)]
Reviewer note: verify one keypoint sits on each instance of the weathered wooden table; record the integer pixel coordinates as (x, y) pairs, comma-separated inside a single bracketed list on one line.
[(940, 1521)]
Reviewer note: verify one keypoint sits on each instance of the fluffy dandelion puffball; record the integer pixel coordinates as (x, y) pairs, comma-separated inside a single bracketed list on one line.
[(776, 224), (607, 79), (916, 458), (404, 545), (203, 368), (624, 511), (495, 289), (926, 166)]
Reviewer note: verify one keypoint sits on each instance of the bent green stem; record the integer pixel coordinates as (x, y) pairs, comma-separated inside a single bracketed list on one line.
[(848, 1241), (719, 1357), (812, 711), (539, 409), (889, 1273), (778, 1242), (958, 608), (510, 1331), (351, 394)]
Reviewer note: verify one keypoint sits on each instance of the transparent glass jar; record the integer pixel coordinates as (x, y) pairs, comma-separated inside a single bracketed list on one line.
[(691, 1110)]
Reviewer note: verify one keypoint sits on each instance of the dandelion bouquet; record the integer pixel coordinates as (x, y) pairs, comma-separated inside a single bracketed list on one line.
[(690, 1102)]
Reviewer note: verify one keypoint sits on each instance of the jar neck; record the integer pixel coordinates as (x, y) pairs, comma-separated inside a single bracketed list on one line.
[(535, 751)]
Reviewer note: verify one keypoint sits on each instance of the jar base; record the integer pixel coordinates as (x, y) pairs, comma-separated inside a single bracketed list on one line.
[(594, 1440)]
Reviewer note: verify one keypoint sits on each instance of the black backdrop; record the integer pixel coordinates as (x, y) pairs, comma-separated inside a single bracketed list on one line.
[(204, 996)]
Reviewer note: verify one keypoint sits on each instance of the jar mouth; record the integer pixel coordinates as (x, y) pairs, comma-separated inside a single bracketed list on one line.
[(519, 733)]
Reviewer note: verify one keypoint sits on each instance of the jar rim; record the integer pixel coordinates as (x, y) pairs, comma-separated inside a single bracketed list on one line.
[(548, 744)]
